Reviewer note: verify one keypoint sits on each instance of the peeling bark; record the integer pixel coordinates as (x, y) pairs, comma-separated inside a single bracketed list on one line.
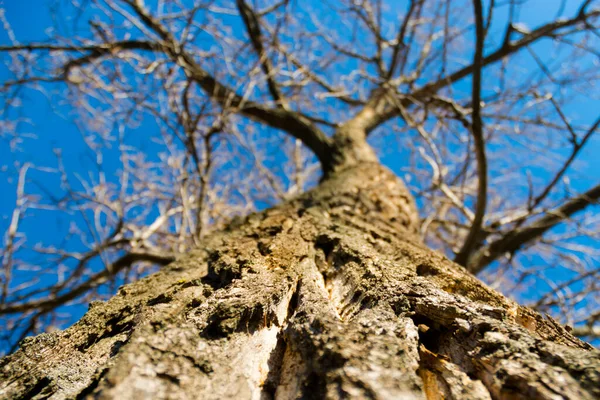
[(330, 295)]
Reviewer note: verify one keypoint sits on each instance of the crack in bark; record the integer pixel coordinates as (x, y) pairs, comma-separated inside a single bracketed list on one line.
[(37, 389), (331, 257), (89, 389), (276, 367), (121, 323)]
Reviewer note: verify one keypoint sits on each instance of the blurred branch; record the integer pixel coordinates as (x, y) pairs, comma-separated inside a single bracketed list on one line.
[(287, 121), (577, 146), (388, 109), (11, 233), (477, 130), (592, 332), (91, 282), (524, 236), (291, 122), (548, 30), (252, 24), (399, 45)]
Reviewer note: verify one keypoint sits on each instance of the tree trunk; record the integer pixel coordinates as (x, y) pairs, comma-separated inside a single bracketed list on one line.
[(330, 295)]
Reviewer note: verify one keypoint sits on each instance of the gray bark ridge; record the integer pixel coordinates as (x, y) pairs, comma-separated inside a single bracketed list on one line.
[(331, 295)]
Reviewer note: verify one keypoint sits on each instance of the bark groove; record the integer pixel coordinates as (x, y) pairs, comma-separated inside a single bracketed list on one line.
[(331, 295)]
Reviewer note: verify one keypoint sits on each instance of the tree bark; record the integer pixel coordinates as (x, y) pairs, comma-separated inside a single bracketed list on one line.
[(330, 295)]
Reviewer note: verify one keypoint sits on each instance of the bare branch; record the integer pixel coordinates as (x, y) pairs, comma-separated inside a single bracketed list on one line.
[(400, 45), (549, 30), (287, 121), (552, 29), (252, 23), (93, 281), (577, 146), (477, 129), (527, 235), (592, 332)]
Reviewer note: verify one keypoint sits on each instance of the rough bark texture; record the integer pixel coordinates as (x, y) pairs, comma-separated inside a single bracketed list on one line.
[(331, 295)]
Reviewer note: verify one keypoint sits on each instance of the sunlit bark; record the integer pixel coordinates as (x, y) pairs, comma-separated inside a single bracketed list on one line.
[(330, 295)]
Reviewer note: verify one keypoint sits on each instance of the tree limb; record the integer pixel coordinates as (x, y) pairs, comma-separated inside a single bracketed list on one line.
[(477, 130), (526, 235), (577, 146), (93, 281), (287, 121), (96, 49), (548, 30), (399, 45), (253, 29), (592, 332), (508, 48)]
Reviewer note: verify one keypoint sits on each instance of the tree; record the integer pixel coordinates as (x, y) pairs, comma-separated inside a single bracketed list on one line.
[(333, 292)]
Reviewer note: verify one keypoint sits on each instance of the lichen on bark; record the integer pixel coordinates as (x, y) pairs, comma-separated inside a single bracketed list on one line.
[(329, 295)]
